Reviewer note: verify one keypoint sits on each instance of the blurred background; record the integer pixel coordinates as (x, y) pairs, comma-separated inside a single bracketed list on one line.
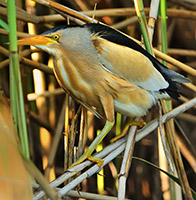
[(45, 101)]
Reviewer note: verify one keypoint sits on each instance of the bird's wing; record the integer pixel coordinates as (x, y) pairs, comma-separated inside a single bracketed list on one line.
[(129, 64), (122, 56)]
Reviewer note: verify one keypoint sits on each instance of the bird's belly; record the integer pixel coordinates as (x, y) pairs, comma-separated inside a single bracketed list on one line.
[(130, 109), (133, 101)]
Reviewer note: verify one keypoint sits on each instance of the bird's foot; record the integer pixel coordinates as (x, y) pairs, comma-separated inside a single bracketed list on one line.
[(140, 124), (99, 161), (87, 155), (129, 122)]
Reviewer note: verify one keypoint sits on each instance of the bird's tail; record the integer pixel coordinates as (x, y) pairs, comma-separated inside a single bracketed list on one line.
[(176, 77)]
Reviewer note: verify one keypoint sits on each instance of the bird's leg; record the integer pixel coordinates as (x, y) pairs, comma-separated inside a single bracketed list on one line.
[(128, 122), (87, 155)]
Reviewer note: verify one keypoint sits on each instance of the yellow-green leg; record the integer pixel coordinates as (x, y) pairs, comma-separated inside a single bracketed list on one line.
[(129, 122), (87, 155)]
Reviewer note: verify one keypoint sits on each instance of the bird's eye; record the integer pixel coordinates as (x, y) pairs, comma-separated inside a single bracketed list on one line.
[(56, 37)]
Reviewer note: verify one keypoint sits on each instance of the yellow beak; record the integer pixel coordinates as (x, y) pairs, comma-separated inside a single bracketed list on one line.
[(35, 40)]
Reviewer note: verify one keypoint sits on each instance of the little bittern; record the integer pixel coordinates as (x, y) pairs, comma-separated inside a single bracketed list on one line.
[(104, 69)]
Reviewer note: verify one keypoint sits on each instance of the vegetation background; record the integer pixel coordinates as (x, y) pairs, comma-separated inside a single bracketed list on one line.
[(53, 138)]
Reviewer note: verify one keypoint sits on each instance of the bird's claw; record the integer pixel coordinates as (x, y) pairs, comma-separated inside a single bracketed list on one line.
[(99, 161), (139, 124)]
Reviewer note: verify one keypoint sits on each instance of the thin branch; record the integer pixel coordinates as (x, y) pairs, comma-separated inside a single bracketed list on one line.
[(78, 168), (187, 154), (87, 195), (118, 147), (90, 172), (182, 52), (40, 121), (29, 62), (34, 172), (154, 6), (114, 12), (20, 14), (125, 23), (173, 113), (175, 62), (63, 9), (126, 162), (167, 154), (19, 34), (34, 96), (55, 142)]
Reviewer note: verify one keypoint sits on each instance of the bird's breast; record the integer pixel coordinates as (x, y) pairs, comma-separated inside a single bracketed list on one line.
[(74, 82)]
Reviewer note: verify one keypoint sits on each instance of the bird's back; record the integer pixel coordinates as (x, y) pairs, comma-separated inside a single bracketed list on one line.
[(172, 78)]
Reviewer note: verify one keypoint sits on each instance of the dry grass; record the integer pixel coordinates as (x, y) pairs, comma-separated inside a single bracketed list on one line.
[(69, 134)]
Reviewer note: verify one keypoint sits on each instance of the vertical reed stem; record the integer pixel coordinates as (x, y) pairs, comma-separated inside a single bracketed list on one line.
[(17, 101)]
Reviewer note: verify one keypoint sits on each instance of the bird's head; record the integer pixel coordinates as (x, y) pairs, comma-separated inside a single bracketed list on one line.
[(49, 41)]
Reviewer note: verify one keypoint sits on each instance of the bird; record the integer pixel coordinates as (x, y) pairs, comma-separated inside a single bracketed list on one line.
[(106, 71)]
